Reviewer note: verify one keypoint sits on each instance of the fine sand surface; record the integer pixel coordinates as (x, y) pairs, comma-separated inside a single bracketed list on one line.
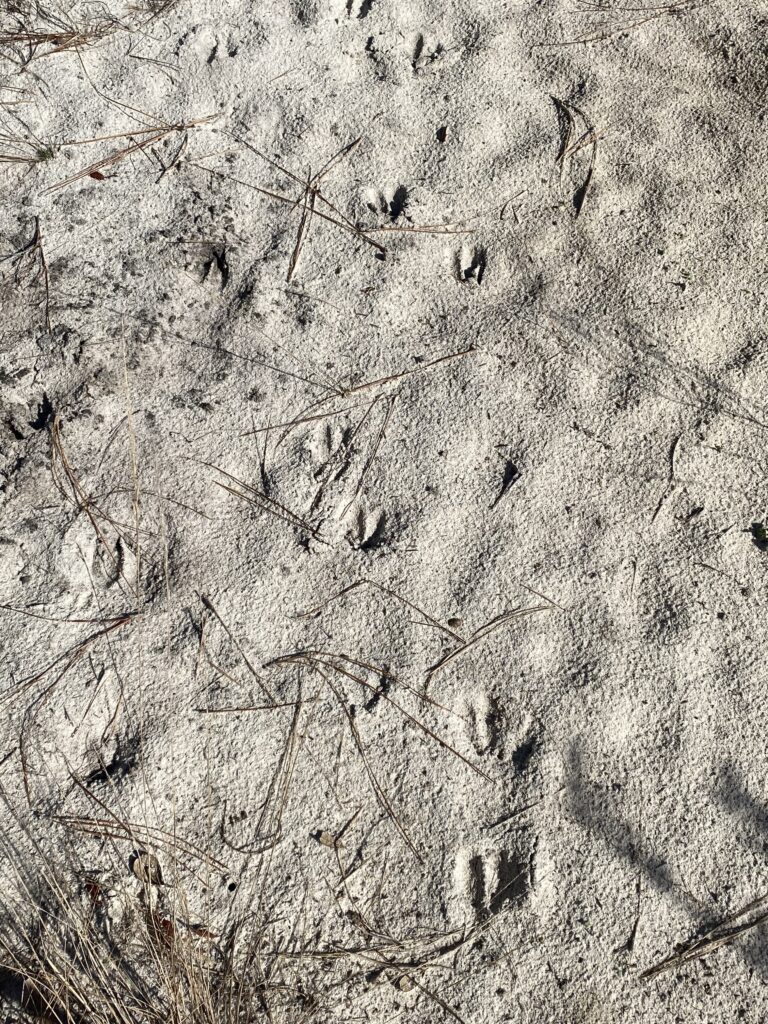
[(393, 370)]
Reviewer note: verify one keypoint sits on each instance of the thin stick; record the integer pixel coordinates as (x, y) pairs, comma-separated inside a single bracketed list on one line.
[(344, 152), (267, 505), (299, 420), (118, 829), (390, 593), (308, 206), (682, 7), (207, 603), (371, 457), (120, 154), (71, 656), (495, 624), (712, 940), (248, 707), (267, 366), (381, 795), (326, 659), (357, 232), (409, 373)]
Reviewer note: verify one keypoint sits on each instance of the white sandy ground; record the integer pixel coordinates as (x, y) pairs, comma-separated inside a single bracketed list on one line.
[(617, 360)]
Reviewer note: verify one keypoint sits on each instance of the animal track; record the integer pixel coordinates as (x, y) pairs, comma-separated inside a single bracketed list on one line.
[(578, 145), (334, 454), (523, 754), (511, 476), (208, 261), (486, 725), (328, 439), (359, 8), (123, 761), (305, 12), (369, 531), (470, 264), (341, 455), (389, 203), (511, 880), (218, 259), (111, 564), (426, 53), (490, 732), (489, 880)]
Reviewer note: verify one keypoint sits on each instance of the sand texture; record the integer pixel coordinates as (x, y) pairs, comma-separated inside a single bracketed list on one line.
[(382, 475)]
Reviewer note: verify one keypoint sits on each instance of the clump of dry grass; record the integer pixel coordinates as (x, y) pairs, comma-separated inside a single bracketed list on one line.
[(122, 942), (14, 149), (30, 31), (80, 946), (620, 18), (152, 9), (122, 945)]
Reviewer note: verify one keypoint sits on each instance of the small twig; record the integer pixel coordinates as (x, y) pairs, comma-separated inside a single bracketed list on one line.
[(329, 660), (712, 940), (371, 457), (484, 631), (249, 707), (30, 261), (157, 135), (390, 593), (260, 500)]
